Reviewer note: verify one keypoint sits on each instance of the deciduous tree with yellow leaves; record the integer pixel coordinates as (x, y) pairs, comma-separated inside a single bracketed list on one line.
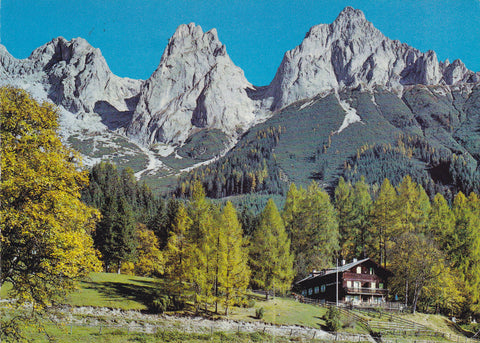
[(45, 229)]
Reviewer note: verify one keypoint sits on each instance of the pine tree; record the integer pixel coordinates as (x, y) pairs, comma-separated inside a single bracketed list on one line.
[(383, 219), (235, 274), (314, 229), (359, 220), (201, 211), (178, 254), (160, 224), (414, 261), (291, 209), (270, 258), (442, 223), (466, 244), (115, 234), (343, 205), (412, 207)]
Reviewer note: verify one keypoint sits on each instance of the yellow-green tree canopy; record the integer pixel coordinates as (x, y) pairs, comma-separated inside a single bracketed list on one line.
[(45, 228), (270, 258)]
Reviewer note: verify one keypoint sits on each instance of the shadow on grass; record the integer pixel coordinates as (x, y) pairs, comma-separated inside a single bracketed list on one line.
[(118, 291), (457, 329), (320, 325)]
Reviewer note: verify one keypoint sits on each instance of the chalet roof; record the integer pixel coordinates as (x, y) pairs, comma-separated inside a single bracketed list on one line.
[(340, 269)]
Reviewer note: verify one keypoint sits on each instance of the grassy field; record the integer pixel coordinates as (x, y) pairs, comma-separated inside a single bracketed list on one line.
[(119, 291), (132, 293), (127, 292)]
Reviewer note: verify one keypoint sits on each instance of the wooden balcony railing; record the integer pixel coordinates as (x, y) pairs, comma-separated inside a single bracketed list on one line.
[(368, 291), (360, 277)]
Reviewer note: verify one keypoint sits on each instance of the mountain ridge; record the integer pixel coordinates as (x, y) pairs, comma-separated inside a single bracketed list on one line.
[(197, 94)]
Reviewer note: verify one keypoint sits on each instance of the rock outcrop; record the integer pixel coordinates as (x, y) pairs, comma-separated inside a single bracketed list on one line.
[(73, 74), (196, 85), (352, 53)]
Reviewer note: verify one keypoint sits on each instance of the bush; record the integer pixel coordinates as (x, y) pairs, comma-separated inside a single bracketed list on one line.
[(349, 323), (160, 304), (332, 319), (251, 303), (259, 313)]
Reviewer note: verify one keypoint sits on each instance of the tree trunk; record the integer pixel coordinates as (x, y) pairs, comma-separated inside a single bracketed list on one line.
[(406, 293)]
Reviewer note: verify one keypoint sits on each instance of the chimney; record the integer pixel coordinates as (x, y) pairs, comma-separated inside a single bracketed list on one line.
[(343, 262), (354, 260)]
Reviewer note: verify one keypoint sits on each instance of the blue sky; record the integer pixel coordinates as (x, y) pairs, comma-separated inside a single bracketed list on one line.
[(132, 34)]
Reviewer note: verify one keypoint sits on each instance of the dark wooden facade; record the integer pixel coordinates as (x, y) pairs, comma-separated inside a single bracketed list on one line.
[(361, 281)]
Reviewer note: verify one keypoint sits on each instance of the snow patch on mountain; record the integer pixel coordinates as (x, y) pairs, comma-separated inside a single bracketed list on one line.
[(351, 115), (307, 104)]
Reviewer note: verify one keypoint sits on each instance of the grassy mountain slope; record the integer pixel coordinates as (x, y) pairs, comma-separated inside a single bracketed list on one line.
[(417, 134)]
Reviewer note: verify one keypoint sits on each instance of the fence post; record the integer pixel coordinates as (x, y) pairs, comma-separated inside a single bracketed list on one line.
[(71, 328), (100, 331)]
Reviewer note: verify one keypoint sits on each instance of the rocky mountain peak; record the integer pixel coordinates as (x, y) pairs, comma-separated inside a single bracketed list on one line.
[(73, 74), (191, 38), (196, 85), (350, 16), (351, 53)]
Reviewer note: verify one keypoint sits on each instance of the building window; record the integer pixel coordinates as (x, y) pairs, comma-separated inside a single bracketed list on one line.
[(373, 285), (310, 291), (304, 292), (380, 285), (359, 270), (356, 284), (316, 290), (322, 288), (371, 271), (349, 284)]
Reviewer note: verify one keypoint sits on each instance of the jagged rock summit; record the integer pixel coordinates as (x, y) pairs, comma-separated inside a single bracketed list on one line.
[(73, 74), (352, 53), (195, 86)]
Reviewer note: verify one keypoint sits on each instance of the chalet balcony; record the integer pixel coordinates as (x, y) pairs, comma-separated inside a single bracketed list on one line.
[(366, 291), (360, 277)]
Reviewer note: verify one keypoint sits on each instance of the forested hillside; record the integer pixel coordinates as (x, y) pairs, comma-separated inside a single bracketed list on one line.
[(430, 133)]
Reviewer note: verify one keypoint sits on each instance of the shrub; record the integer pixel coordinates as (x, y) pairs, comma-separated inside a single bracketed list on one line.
[(250, 303), (160, 304), (332, 319), (259, 313)]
